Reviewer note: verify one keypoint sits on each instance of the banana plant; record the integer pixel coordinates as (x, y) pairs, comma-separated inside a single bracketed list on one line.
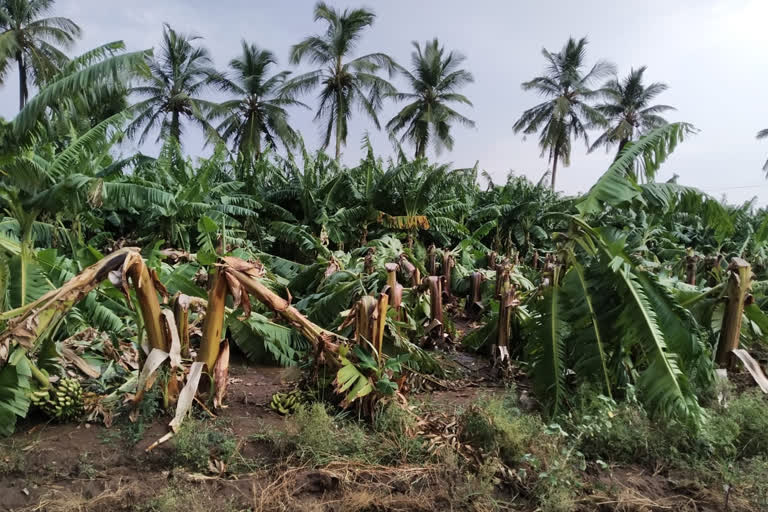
[(605, 318)]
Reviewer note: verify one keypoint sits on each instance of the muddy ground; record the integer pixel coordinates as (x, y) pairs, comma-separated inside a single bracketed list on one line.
[(54, 467)]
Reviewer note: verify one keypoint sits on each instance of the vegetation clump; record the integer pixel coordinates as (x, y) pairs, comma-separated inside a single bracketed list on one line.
[(198, 442)]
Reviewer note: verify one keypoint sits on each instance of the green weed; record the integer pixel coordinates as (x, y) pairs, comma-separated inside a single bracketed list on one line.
[(12, 459), (198, 441), (188, 499), (496, 425)]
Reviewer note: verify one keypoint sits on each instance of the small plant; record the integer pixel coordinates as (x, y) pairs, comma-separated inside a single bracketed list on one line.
[(85, 468), (497, 425), (12, 459), (394, 437), (316, 436), (199, 441), (188, 499), (749, 412), (149, 409)]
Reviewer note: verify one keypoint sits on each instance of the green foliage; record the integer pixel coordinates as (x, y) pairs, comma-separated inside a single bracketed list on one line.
[(496, 426), (316, 436), (617, 186), (262, 340), (608, 310), (15, 385), (435, 78), (749, 415), (547, 352), (198, 441)]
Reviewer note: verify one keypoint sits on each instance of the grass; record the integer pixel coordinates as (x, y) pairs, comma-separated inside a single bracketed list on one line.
[(85, 468), (187, 499), (624, 433), (12, 459), (315, 435)]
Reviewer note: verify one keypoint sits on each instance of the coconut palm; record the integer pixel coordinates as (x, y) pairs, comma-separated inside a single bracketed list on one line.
[(565, 114), (33, 41), (628, 110), (762, 134), (435, 78), (258, 113), (179, 73), (343, 83)]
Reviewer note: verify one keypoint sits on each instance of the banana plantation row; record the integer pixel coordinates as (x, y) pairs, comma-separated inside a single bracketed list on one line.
[(633, 289)]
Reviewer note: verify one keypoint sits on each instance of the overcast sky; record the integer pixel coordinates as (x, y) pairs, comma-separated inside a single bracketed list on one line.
[(711, 53)]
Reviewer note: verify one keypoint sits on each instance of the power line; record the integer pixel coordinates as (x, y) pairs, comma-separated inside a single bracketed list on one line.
[(720, 189)]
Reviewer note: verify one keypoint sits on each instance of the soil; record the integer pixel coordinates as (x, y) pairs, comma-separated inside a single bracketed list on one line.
[(66, 467)]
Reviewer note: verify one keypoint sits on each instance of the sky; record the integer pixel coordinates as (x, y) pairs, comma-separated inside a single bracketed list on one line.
[(712, 54)]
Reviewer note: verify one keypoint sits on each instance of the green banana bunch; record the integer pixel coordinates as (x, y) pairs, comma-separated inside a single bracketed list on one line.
[(63, 401), (286, 403)]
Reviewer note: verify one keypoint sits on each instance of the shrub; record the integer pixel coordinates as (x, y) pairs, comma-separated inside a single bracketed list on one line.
[(394, 440), (188, 499), (496, 425), (316, 436), (198, 441), (749, 413)]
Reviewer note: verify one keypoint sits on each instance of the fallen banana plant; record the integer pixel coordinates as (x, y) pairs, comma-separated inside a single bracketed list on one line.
[(434, 330), (509, 301), (33, 322), (25, 325)]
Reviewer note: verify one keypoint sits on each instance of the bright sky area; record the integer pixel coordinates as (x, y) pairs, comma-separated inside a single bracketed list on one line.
[(712, 54)]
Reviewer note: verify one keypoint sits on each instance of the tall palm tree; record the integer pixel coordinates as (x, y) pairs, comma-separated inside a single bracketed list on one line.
[(565, 114), (258, 113), (33, 41), (628, 110), (344, 84), (762, 134), (179, 73), (435, 78)]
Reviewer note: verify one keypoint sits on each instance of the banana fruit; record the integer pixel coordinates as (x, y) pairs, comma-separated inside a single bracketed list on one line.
[(286, 403), (63, 401)]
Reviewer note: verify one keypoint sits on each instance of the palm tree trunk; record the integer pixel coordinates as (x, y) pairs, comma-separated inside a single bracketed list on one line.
[(420, 149), (338, 134), (22, 80), (175, 127), (338, 108), (554, 162), (622, 143)]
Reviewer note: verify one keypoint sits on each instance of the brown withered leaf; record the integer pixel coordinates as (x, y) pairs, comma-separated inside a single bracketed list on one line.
[(159, 286), (221, 374), (252, 268), (239, 294)]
